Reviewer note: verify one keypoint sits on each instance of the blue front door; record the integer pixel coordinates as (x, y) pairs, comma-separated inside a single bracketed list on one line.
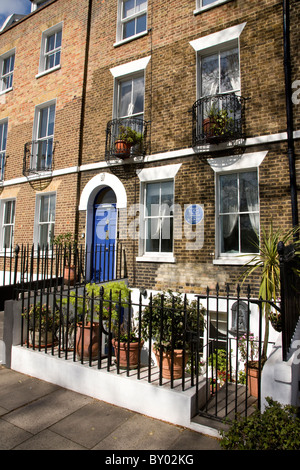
[(105, 218)]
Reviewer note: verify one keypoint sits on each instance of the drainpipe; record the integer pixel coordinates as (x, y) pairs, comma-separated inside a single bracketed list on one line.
[(83, 101), (289, 110)]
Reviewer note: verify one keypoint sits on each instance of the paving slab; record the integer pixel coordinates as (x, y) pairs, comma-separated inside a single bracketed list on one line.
[(44, 412), (36, 415)]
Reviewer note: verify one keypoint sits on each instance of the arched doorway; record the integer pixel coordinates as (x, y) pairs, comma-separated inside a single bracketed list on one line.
[(104, 235), (92, 196)]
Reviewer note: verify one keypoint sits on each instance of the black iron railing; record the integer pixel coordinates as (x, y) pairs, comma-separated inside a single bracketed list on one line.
[(54, 264), (218, 118), (126, 139), (290, 294), (91, 324), (38, 156)]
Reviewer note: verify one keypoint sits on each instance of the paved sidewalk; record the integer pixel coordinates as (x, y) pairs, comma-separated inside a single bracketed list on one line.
[(36, 415)]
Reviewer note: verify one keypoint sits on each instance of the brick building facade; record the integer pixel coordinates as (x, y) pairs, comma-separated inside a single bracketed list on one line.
[(188, 201)]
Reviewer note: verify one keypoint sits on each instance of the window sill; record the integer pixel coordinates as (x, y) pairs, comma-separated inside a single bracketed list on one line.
[(209, 7), (157, 258), (239, 260), (132, 38), (6, 91), (36, 174), (45, 72)]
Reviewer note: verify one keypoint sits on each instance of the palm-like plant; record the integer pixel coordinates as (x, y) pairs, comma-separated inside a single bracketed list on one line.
[(267, 260)]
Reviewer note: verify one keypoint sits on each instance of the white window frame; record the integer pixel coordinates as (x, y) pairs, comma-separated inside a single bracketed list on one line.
[(121, 21), (155, 175), (3, 148), (38, 4), (43, 54), (3, 57), (11, 224), (125, 72), (225, 165), (238, 213), (218, 50), (37, 138), (119, 82), (200, 7), (38, 223)]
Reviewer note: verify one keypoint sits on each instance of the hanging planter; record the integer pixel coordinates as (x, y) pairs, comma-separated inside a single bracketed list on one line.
[(122, 149), (127, 139)]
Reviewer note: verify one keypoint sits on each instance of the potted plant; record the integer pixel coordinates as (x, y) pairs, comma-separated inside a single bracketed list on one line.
[(127, 138), (217, 125), (127, 347), (126, 341), (42, 324), (67, 242), (267, 262), (165, 320), (67, 327), (248, 348), (88, 330), (219, 363)]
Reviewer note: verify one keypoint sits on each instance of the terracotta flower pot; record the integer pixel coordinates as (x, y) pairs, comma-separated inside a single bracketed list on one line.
[(134, 352), (69, 275), (253, 378), (85, 345), (167, 362), (122, 149)]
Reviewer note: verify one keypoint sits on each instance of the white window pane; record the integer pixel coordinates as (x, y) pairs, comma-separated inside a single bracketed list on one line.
[(43, 238), (207, 2), (153, 235), (152, 198), (167, 235), (3, 136), (141, 5), (44, 209), (210, 75), (248, 192), (58, 39), (167, 194), (128, 8), (138, 95), (249, 232), (125, 98), (141, 24), (229, 233), (51, 120), (50, 43), (228, 193), (230, 75)]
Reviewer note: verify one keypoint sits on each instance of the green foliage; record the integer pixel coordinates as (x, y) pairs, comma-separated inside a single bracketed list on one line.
[(115, 294), (64, 239), (277, 428), (267, 262), (220, 364), (167, 314), (41, 317), (130, 136), (220, 121)]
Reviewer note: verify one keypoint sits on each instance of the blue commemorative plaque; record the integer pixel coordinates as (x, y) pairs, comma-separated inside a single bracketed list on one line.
[(193, 214)]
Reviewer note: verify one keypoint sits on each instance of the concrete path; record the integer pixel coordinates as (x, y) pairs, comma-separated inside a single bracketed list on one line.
[(36, 415)]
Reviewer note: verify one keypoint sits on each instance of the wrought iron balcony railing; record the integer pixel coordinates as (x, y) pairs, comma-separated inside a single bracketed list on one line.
[(125, 139), (38, 156), (218, 118)]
